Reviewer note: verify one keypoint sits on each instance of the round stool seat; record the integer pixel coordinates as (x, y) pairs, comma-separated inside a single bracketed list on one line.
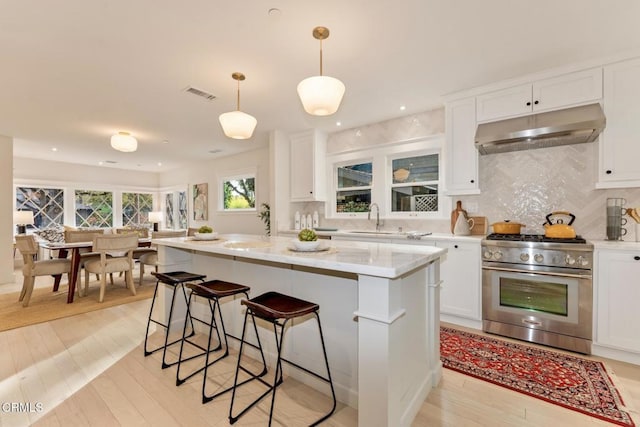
[(177, 277), (274, 305), (217, 289)]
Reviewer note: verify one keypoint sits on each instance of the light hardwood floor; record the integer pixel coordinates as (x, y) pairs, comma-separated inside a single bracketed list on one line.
[(90, 370)]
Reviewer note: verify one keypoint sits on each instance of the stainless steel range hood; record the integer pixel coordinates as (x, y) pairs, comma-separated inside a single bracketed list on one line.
[(563, 127)]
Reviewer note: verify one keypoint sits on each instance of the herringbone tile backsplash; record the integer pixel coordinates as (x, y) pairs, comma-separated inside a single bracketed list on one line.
[(525, 186)]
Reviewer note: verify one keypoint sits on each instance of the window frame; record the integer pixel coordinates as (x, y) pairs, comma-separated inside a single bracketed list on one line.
[(381, 157), (235, 175)]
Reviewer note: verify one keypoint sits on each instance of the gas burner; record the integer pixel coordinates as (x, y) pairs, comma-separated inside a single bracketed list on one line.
[(533, 238)]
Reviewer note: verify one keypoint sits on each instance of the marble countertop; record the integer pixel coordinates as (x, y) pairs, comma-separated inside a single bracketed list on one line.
[(397, 237), (616, 245), (373, 259)]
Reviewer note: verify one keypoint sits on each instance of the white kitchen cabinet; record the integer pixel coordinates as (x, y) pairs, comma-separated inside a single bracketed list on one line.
[(460, 272), (619, 144), (461, 155), (308, 174), (542, 95), (616, 299)]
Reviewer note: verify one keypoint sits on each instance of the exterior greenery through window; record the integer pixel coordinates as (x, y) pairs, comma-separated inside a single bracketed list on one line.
[(239, 193), (136, 208), (94, 208), (47, 205), (414, 186), (354, 187)]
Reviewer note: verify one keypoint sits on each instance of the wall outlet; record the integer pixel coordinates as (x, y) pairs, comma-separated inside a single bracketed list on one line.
[(471, 207)]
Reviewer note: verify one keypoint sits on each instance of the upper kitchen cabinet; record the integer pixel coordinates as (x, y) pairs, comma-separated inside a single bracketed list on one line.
[(308, 178), (461, 156), (619, 145), (542, 95)]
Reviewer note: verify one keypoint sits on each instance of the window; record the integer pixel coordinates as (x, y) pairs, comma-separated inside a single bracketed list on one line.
[(414, 183), (47, 205), (238, 193), (94, 208), (136, 208), (354, 182)]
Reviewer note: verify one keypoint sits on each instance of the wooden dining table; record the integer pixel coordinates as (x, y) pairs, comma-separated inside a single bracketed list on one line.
[(63, 249)]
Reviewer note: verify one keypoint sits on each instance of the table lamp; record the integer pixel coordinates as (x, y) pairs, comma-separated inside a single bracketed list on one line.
[(155, 218), (22, 219)]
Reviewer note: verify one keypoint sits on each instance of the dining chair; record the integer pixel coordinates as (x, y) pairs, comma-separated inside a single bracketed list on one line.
[(28, 247), (116, 254), (151, 258), (86, 254)]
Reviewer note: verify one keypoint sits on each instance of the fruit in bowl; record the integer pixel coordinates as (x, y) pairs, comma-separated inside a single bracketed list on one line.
[(307, 240), (205, 233)]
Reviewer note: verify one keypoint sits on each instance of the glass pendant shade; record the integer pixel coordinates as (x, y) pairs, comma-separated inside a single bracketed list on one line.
[(123, 141), (238, 125), (321, 95)]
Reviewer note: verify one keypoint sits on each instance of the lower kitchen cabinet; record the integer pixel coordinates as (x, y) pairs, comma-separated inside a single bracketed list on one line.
[(461, 274), (617, 298)]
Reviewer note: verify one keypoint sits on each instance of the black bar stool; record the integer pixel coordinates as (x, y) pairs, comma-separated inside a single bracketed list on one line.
[(212, 291), (271, 307), (173, 280)]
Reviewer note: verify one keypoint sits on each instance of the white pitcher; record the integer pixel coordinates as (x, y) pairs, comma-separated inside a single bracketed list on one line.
[(463, 226)]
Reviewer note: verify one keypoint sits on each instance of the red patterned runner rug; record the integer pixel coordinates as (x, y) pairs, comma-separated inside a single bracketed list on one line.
[(575, 383)]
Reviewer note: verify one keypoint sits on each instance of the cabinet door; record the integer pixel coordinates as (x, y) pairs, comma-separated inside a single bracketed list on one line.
[(568, 89), (461, 155), (460, 273), (308, 151), (619, 145), (617, 297), (503, 103)]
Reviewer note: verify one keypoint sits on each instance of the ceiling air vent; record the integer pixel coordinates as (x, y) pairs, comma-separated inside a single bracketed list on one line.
[(215, 151), (111, 162), (200, 93)]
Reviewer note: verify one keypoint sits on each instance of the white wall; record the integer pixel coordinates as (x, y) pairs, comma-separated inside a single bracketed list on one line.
[(6, 210), (210, 171)]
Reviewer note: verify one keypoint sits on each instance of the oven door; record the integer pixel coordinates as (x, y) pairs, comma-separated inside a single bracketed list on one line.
[(544, 300)]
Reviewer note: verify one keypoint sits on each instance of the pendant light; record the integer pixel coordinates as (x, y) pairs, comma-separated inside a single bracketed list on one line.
[(236, 124), (321, 95), (123, 141)]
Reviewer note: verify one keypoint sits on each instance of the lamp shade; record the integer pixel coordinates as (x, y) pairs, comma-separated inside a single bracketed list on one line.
[(155, 216), (237, 125), (123, 141), (321, 95), (23, 217)]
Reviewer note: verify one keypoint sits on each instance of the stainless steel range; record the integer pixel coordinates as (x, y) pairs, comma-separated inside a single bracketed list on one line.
[(538, 289)]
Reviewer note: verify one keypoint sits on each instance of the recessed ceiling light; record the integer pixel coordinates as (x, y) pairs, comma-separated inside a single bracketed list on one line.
[(338, 123), (54, 149), (274, 12), (159, 163), (402, 108), (100, 163)]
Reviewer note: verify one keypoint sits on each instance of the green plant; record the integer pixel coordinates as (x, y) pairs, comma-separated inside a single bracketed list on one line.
[(205, 229), (265, 216), (307, 235)]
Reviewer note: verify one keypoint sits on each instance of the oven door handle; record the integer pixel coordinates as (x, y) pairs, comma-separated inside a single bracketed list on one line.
[(541, 273)]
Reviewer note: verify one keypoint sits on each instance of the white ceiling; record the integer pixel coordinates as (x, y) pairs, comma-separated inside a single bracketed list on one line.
[(74, 72)]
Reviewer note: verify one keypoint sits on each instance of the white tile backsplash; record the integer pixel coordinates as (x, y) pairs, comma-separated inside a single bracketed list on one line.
[(522, 186)]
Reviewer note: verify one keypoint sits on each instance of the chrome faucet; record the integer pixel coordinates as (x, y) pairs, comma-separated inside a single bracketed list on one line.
[(378, 224)]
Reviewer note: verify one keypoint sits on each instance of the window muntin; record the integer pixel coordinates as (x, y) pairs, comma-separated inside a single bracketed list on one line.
[(94, 208), (238, 193), (354, 184), (414, 183), (47, 205), (136, 208)]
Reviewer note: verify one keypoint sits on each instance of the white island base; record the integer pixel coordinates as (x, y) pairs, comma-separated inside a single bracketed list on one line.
[(381, 333)]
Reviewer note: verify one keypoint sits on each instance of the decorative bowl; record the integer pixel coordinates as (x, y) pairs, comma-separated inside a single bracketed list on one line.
[(205, 236), (306, 245)]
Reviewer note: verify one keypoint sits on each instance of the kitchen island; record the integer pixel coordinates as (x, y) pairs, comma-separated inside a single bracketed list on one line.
[(379, 307)]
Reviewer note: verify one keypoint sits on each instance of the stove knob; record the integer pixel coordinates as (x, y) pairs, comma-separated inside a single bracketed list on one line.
[(538, 258), (524, 256), (569, 260), (583, 262), (488, 254), (497, 255)]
